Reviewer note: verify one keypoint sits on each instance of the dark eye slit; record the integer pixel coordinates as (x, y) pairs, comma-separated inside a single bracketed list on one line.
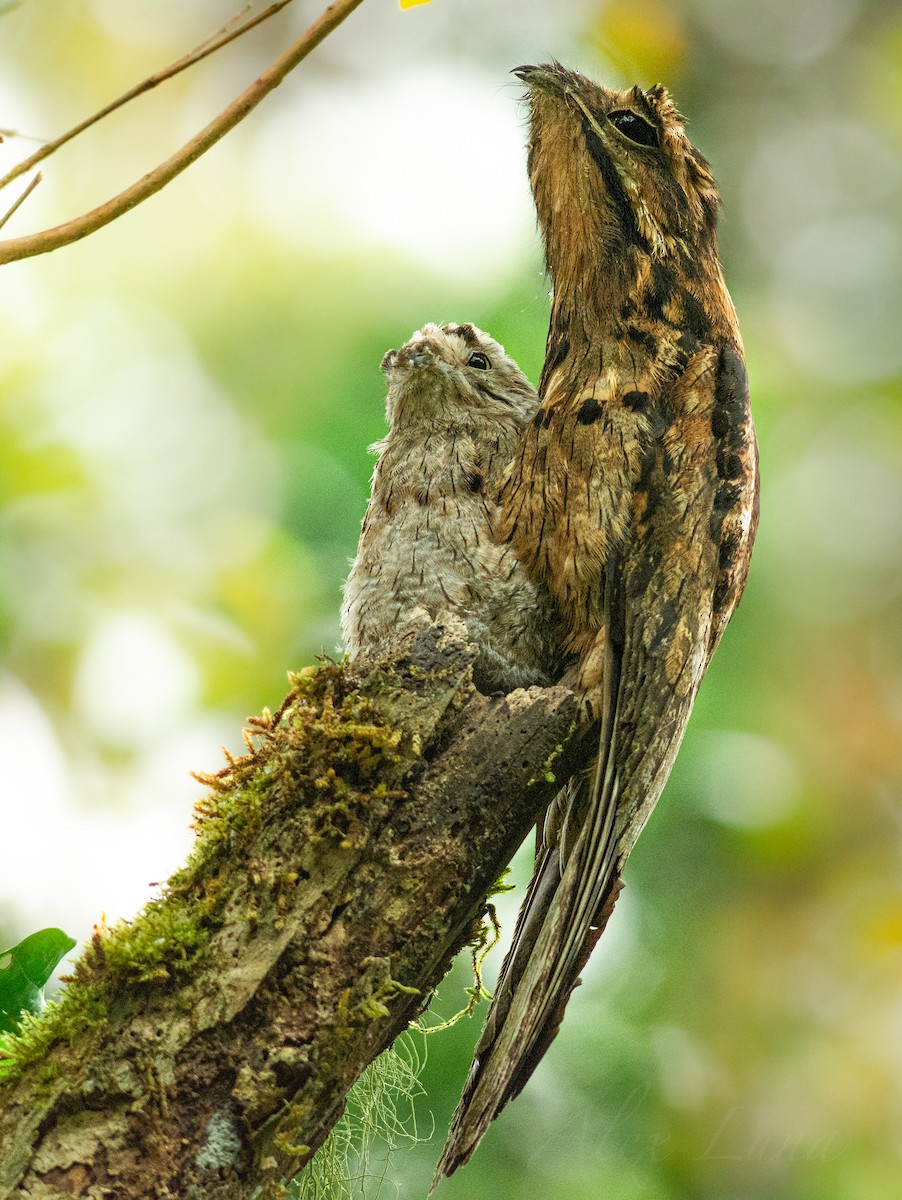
[(634, 127)]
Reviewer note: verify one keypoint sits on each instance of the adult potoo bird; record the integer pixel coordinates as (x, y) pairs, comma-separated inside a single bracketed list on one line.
[(456, 407), (633, 496)]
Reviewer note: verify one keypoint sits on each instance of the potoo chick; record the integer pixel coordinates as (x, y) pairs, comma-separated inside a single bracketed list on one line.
[(456, 407), (633, 497)]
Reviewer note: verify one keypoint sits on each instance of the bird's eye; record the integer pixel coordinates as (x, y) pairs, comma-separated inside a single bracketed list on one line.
[(634, 127), (479, 361)]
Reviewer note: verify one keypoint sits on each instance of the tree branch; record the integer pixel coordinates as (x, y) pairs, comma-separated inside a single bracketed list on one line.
[(206, 1049), (22, 197), (222, 37), (13, 249)]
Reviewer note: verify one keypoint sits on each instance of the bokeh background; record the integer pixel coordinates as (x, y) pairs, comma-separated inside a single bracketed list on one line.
[(186, 399)]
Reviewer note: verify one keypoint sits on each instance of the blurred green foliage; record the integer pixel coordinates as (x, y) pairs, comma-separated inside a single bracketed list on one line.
[(24, 971), (185, 405)]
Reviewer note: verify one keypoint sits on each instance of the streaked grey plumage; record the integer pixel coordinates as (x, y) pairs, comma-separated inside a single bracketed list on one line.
[(456, 406)]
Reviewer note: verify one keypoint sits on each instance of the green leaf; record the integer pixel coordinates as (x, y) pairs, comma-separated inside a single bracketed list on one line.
[(24, 969)]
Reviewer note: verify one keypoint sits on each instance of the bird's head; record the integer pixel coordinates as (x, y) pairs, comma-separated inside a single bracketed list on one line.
[(448, 373), (616, 167)]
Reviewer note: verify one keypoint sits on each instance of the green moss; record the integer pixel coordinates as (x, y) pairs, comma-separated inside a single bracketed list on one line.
[(365, 1002), (547, 775), (320, 740), (373, 1007), (81, 1012), (162, 942), (294, 1118), (320, 759), (501, 885)]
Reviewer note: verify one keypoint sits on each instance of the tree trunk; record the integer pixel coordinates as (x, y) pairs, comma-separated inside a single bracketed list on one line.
[(206, 1049)]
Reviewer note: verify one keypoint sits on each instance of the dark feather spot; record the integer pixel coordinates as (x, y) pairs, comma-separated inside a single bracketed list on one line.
[(728, 419), (636, 401), (732, 389), (474, 481), (659, 290), (467, 332), (589, 411), (720, 423), (732, 467), (722, 592), (642, 338), (547, 417), (645, 482), (695, 319), (728, 496), (687, 344), (729, 548)]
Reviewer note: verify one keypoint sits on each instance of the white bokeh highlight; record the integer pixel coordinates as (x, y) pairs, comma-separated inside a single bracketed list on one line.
[(133, 684), (429, 164)]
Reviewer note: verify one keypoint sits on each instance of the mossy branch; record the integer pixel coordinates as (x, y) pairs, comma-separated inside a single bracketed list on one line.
[(206, 1048)]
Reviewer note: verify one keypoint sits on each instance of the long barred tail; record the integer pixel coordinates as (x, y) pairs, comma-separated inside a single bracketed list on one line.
[(557, 928), (572, 893)]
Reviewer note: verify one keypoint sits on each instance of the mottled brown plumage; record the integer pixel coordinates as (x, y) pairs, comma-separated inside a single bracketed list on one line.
[(633, 496), (456, 407)]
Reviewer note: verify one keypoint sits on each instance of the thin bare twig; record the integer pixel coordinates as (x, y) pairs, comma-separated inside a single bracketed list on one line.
[(14, 249), (227, 33), (232, 23), (14, 133), (25, 194)]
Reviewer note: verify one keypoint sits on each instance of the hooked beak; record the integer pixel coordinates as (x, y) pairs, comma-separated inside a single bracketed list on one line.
[(403, 358), (546, 77)]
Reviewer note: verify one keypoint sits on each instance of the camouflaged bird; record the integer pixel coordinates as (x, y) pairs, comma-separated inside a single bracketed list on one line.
[(456, 407), (633, 496)]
